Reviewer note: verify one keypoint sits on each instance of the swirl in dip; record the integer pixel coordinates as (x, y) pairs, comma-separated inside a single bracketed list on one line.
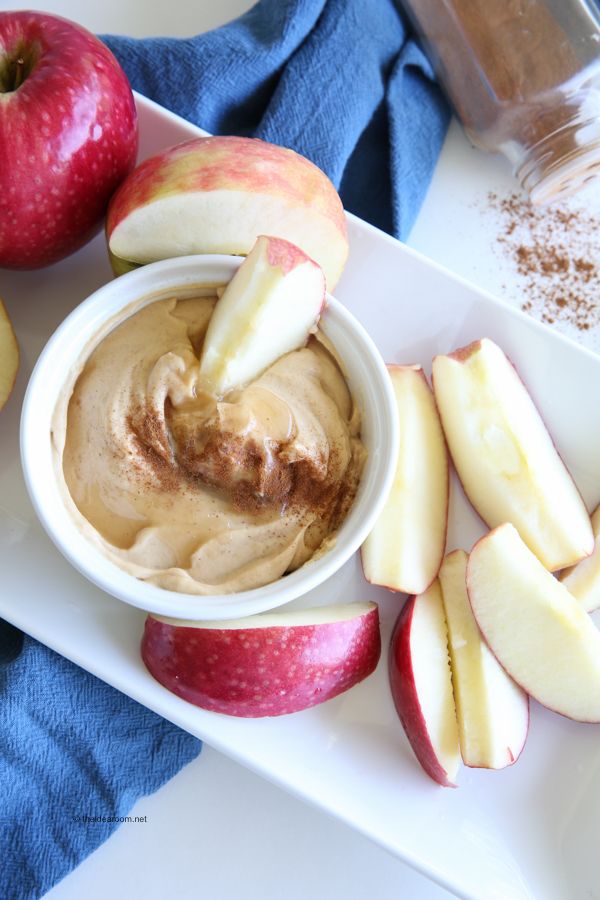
[(198, 495)]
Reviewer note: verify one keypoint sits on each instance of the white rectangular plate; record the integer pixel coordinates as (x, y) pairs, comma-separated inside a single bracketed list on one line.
[(527, 832)]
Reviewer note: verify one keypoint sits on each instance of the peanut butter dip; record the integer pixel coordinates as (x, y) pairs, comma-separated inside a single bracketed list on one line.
[(198, 495)]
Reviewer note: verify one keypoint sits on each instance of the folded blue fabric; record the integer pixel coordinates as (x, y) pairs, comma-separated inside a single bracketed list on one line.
[(75, 755), (340, 81)]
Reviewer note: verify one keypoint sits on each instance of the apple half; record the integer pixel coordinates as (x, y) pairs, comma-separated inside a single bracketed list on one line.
[(504, 456), (269, 308), (583, 579), (419, 671), (216, 195), (538, 632), (405, 549), (9, 356), (264, 665), (492, 711)]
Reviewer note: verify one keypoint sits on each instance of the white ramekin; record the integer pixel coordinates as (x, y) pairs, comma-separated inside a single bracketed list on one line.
[(61, 361)]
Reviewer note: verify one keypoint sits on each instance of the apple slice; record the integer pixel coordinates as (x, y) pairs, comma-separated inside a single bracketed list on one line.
[(538, 632), (492, 711), (269, 308), (264, 665), (504, 456), (405, 549), (421, 686), (216, 195), (9, 356), (583, 580)]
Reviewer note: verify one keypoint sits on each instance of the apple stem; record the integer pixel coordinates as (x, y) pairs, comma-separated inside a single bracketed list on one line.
[(19, 73)]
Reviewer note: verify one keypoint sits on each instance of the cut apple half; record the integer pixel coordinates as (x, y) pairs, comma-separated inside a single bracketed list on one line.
[(269, 308), (492, 711), (264, 665), (9, 356), (538, 632), (504, 456), (583, 579), (216, 195), (419, 670), (405, 549)]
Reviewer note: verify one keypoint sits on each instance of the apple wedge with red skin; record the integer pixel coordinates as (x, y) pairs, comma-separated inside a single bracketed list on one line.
[(509, 467), (9, 356), (583, 579), (68, 136), (419, 672), (539, 633), (216, 195), (492, 711), (406, 547), (269, 308), (269, 664)]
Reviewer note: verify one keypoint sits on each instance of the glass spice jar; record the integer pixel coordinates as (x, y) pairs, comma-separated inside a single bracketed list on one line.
[(524, 79)]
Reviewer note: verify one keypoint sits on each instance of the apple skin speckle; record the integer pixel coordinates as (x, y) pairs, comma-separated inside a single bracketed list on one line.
[(68, 137), (204, 665)]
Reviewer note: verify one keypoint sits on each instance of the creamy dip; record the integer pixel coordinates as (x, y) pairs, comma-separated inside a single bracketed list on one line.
[(198, 495)]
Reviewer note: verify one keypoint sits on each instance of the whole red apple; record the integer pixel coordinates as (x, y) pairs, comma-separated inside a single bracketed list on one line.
[(68, 136)]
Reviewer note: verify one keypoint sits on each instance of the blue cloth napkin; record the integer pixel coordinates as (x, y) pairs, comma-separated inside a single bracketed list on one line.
[(73, 752), (340, 81)]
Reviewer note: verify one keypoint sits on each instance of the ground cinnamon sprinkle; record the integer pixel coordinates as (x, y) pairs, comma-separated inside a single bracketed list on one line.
[(556, 251), (238, 467), (257, 478), (147, 433)]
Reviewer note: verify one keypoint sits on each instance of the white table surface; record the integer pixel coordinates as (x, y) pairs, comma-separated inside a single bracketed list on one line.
[(217, 830)]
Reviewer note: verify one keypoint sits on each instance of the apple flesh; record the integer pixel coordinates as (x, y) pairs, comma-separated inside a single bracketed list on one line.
[(268, 309), (68, 136), (9, 356), (504, 456), (538, 632), (264, 665), (405, 549), (492, 711), (419, 670), (217, 194), (583, 579)]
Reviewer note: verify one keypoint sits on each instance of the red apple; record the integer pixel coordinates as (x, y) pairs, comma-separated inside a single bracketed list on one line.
[(539, 633), (504, 456), (583, 579), (268, 309), (492, 711), (68, 136), (419, 670), (406, 547), (264, 665)]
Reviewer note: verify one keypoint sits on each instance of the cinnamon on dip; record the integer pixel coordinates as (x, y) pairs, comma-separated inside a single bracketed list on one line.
[(198, 495)]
